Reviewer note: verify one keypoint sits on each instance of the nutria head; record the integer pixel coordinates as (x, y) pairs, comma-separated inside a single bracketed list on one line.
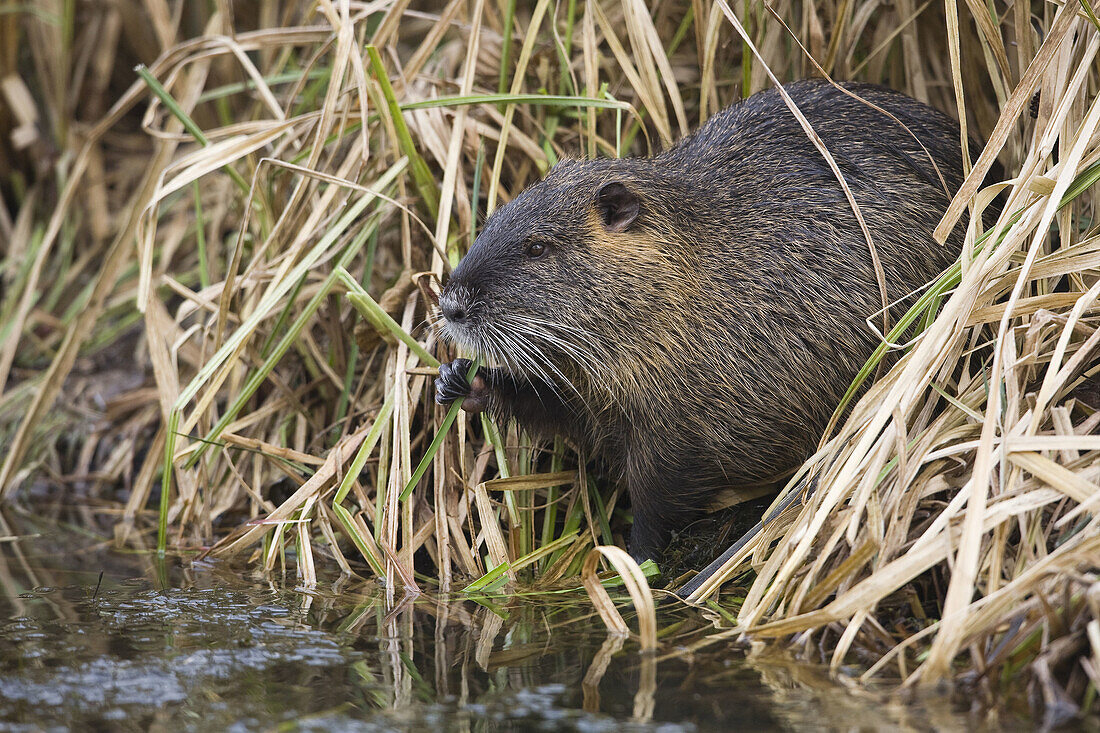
[(564, 279)]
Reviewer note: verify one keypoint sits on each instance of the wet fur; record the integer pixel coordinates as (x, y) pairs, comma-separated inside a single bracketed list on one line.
[(722, 327)]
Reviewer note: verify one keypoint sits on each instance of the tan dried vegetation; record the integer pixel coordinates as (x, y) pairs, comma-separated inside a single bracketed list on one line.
[(183, 272)]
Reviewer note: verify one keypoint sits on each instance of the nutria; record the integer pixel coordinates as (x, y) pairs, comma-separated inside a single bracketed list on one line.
[(694, 318)]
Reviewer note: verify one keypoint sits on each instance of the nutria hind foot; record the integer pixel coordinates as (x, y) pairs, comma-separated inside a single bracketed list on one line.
[(451, 385), (648, 539)]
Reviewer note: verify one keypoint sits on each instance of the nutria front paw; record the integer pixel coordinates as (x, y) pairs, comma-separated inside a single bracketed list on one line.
[(451, 385)]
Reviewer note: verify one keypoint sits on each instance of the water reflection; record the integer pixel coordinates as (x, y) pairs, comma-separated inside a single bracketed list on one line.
[(209, 646)]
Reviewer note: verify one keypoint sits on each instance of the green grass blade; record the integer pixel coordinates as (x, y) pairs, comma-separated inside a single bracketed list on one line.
[(422, 175), (437, 441), (188, 124), (166, 482), (380, 319)]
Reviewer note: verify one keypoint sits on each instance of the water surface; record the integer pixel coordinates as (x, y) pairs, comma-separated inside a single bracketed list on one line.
[(91, 638)]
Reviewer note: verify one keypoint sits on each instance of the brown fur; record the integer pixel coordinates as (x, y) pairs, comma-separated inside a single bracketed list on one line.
[(694, 318)]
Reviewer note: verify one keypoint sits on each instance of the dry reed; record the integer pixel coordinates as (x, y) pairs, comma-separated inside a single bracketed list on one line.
[(183, 274)]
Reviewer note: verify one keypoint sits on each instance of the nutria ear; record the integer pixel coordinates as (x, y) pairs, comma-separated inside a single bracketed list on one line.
[(618, 206)]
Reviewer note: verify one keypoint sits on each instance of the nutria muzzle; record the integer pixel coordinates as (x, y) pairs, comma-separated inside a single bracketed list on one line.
[(461, 310), (454, 306)]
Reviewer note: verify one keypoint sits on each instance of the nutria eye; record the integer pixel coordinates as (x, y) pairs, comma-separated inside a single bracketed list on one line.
[(536, 250)]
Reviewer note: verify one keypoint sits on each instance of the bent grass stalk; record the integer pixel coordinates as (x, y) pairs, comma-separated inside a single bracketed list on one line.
[(378, 318), (382, 321)]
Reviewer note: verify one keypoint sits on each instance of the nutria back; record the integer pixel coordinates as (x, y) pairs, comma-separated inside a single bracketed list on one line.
[(695, 318)]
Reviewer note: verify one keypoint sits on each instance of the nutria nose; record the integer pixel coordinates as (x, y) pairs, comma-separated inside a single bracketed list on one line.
[(454, 313), (453, 309)]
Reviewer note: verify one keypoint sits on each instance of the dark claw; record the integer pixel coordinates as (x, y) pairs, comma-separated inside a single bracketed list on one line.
[(451, 383)]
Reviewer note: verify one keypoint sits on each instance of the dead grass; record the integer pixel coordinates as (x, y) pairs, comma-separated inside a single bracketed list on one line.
[(275, 177)]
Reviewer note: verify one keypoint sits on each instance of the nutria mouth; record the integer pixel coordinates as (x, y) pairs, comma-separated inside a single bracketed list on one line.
[(522, 346)]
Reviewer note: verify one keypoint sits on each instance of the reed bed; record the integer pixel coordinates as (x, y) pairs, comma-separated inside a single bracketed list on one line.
[(216, 293)]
